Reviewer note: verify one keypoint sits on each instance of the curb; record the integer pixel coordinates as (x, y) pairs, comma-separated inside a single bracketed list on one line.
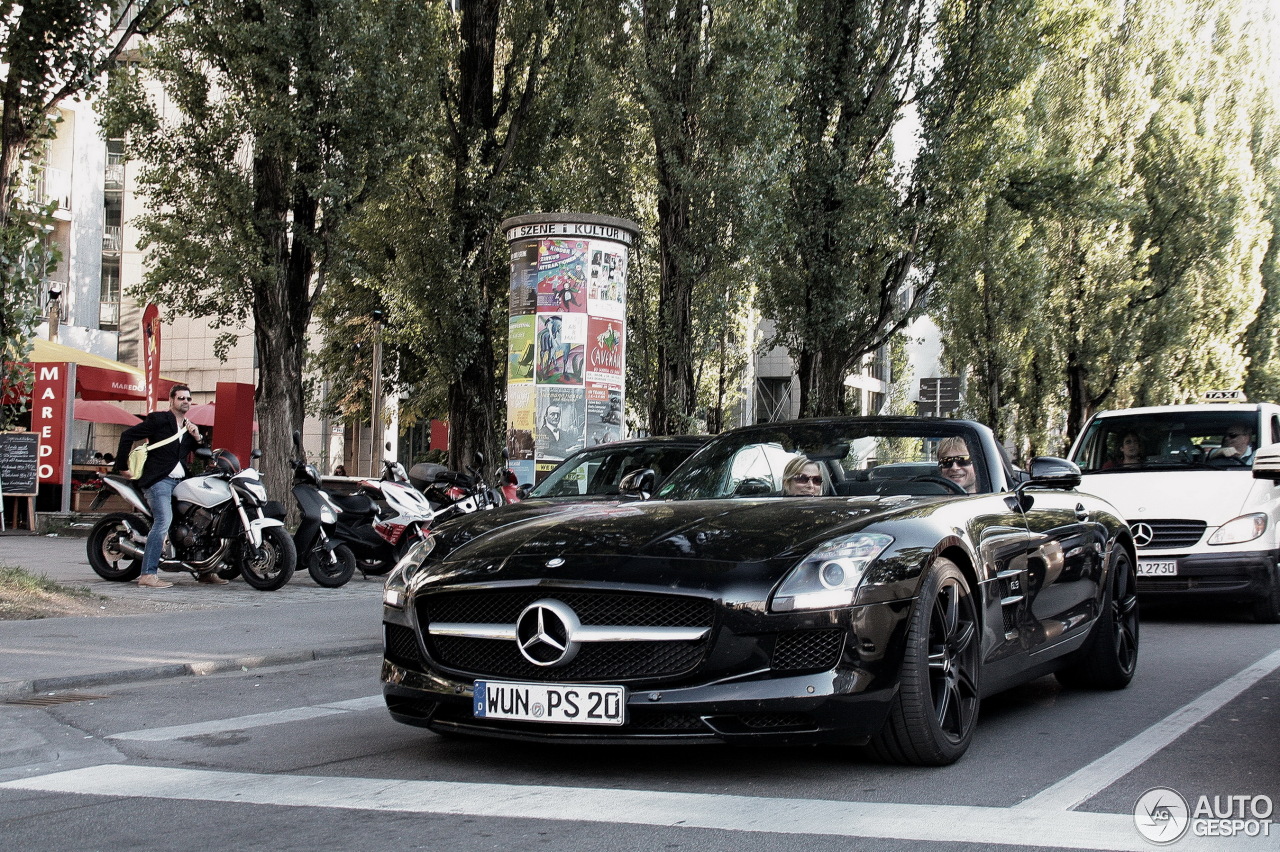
[(19, 688)]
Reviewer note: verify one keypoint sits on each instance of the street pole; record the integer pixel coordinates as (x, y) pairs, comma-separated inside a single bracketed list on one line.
[(375, 404)]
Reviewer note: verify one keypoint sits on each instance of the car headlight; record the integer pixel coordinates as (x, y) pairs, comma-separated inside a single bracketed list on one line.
[(393, 590), (1241, 529), (828, 577)]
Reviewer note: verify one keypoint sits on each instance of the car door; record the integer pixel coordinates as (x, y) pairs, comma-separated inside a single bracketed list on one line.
[(1064, 563)]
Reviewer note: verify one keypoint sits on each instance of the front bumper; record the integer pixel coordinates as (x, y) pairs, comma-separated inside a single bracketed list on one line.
[(734, 696), (1233, 576)]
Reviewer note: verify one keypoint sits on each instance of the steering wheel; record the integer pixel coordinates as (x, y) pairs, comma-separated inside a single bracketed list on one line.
[(954, 487)]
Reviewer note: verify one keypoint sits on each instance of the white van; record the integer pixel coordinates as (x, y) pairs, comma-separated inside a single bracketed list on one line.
[(1183, 477)]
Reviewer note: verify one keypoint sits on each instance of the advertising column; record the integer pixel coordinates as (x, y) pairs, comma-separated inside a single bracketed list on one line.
[(566, 355)]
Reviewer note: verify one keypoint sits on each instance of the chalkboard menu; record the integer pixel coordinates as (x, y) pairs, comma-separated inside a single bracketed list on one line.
[(18, 462)]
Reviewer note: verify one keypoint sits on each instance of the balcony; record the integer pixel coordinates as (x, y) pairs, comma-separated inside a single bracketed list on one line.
[(114, 177), (54, 185), (112, 239)]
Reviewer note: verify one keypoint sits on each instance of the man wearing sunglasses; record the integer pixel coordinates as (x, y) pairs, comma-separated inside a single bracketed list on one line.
[(1237, 443), (955, 463), (172, 437)]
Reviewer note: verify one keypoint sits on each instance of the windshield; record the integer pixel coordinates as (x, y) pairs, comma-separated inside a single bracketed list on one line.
[(834, 458), (1176, 440), (598, 471)]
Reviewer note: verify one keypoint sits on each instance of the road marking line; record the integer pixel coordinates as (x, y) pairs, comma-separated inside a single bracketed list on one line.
[(257, 720), (1088, 781), (958, 824)]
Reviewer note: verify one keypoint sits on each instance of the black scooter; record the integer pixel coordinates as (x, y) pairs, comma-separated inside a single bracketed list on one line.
[(329, 562)]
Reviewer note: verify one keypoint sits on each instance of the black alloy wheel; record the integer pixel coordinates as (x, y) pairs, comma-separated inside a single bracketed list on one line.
[(273, 565), (1109, 657), (105, 556), (932, 719)]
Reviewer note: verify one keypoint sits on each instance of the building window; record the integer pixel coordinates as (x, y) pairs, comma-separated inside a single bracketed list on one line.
[(109, 295), (773, 399)]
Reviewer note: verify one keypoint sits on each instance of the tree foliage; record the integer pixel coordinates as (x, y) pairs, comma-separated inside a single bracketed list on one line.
[(287, 115)]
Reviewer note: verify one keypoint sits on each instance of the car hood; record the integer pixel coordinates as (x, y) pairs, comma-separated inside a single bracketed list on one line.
[(1215, 496), (737, 530)]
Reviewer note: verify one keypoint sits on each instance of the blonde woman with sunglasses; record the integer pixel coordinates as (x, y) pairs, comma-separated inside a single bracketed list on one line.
[(802, 478)]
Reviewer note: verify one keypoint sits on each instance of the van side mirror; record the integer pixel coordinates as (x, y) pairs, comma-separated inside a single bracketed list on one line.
[(1266, 463)]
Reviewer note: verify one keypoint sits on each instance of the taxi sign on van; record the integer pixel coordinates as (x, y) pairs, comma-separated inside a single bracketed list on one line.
[(1224, 396)]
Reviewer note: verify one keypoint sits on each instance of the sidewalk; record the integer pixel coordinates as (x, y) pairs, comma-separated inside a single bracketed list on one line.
[(185, 630)]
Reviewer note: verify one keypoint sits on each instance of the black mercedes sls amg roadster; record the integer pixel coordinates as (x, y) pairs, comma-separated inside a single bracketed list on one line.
[(855, 580)]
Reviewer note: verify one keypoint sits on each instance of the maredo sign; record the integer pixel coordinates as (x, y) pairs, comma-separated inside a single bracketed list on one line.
[(54, 390)]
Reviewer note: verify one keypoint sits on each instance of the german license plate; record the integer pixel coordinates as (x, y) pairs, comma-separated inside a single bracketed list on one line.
[(1157, 567), (578, 704)]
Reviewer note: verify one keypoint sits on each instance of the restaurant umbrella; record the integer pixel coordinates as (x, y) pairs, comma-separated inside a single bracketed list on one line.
[(98, 411)]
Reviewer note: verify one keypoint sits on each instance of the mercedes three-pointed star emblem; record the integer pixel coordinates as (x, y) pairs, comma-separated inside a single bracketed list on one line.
[(1142, 533), (545, 633)]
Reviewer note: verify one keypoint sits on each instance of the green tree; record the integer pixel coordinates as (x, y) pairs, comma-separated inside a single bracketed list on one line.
[(287, 116), (711, 77), (50, 50)]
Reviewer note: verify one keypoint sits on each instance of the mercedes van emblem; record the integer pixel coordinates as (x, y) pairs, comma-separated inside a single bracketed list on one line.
[(1142, 534)]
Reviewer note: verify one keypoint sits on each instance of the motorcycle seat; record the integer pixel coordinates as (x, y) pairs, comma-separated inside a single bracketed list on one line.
[(357, 505)]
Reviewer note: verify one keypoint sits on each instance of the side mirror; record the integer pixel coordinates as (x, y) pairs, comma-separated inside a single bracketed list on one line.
[(255, 454), (523, 491), (477, 461), (297, 441), (1050, 472), (1266, 463), (753, 487), (639, 483)]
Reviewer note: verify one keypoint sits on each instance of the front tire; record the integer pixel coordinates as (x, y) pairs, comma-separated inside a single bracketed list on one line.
[(932, 718), (331, 575), (1266, 610), (1110, 654), (105, 556), (275, 564)]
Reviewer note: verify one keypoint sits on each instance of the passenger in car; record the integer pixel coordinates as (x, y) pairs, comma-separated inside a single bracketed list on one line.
[(1237, 443), (1131, 452), (802, 478), (955, 463)]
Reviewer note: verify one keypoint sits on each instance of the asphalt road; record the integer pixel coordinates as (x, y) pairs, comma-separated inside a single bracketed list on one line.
[(305, 757)]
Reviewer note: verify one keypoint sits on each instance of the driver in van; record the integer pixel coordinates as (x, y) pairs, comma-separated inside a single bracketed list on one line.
[(1237, 443)]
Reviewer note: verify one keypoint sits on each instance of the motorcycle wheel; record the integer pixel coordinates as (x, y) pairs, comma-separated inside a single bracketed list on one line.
[(105, 556), (331, 575), (275, 566)]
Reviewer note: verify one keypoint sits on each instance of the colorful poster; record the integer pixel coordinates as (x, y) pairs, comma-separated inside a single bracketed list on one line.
[(520, 349), (607, 280), (562, 276), (543, 469), (521, 410), (605, 350), (524, 277), (604, 414), (524, 471), (561, 347), (560, 422)]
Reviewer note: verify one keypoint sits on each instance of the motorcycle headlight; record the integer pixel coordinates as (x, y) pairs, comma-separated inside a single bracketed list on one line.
[(327, 516), (1241, 529), (828, 577)]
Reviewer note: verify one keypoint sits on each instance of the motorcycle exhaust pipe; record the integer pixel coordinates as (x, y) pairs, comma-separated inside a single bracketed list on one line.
[(130, 548)]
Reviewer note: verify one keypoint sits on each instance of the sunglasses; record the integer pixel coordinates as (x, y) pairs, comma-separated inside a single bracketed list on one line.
[(183, 398), (952, 461), (804, 479)]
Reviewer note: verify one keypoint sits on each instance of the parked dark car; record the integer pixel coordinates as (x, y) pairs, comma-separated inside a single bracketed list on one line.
[(598, 471), (879, 612)]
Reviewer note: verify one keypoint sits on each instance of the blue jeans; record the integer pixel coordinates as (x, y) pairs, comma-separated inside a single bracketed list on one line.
[(160, 499)]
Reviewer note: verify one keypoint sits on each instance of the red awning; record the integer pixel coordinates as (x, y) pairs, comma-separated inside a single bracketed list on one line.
[(98, 377)]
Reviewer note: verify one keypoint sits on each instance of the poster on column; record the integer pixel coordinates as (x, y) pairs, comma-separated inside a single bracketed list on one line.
[(562, 276), (607, 280), (520, 349), (562, 343), (524, 277), (605, 350), (604, 414), (560, 422), (521, 404)]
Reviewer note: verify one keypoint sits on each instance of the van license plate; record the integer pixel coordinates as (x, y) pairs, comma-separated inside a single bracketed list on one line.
[(1157, 567), (575, 704)]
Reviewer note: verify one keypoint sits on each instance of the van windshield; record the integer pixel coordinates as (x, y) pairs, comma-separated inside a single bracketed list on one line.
[(1214, 440)]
